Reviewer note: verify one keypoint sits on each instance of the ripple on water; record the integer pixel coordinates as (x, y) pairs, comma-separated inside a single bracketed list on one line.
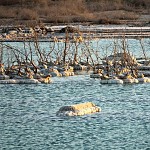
[(28, 116)]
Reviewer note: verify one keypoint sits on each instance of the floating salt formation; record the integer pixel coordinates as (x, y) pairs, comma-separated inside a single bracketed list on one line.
[(144, 80), (78, 109), (45, 80), (148, 80), (145, 73), (144, 68), (67, 73), (19, 81), (95, 75), (54, 72), (130, 81), (80, 67), (111, 81), (4, 77), (119, 68)]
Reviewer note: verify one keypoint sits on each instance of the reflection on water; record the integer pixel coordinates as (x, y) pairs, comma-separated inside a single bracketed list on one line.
[(28, 116)]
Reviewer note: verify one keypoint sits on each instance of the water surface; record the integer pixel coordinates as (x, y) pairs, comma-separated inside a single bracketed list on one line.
[(28, 118)]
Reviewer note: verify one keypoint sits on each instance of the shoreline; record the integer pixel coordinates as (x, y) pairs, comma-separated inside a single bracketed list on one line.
[(86, 31)]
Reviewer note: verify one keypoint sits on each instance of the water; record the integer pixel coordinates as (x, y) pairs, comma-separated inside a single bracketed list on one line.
[(97, 47), (28, 118)]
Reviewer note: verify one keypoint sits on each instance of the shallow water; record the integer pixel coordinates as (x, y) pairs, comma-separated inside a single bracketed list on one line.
[(28, 118), (100, 47)]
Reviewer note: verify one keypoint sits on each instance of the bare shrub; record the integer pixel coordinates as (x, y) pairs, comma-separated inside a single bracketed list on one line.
[(107, 21), (9, 2), (6, 12), (66, 11), (105, 5), (139, 3), (118, 14), (68, 7), (27, 14), (73, 10), (41, 3)]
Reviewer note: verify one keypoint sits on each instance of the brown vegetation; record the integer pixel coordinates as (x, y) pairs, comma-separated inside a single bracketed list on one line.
[(64, 11)]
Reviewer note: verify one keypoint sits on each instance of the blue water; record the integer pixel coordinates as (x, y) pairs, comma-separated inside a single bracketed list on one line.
[(28, 118), (101, 47)]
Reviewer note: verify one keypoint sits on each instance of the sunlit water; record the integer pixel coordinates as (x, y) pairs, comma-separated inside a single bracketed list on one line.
[(28, 118)]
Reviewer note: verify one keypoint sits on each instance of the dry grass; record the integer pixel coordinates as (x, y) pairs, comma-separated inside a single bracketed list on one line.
[(72, 11), (6, 12)]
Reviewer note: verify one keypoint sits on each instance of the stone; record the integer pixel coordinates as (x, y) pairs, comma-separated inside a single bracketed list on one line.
[(4, 77)]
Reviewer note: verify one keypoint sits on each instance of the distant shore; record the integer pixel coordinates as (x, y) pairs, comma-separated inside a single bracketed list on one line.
[(14, 34)]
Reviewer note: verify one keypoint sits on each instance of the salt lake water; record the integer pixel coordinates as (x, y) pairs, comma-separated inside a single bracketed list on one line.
[(28, 118), (101, 47)]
